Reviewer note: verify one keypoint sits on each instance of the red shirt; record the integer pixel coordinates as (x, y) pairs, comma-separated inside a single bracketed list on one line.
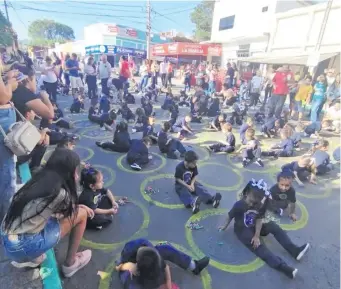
[(280, 82), (125, 72)]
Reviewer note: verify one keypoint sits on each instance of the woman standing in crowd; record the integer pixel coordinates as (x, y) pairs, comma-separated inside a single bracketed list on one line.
[(91, 78), (212, 79), (188, 74), (125, 73), (50, 78), (318, 98), (58, 64), (169, 74), (44, 211), (268, 86), (7, 160), (256, 87), (235, 74), (229, 75), (144, 75), (66, 72)]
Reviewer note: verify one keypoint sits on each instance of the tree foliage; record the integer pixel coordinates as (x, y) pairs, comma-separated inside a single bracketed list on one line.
[(202, 18), (47, 32), (6, 32)]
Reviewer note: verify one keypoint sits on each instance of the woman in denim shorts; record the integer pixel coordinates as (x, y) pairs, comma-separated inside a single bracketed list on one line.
[(43, 211)]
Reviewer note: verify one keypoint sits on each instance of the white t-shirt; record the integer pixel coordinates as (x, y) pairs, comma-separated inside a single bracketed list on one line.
[(163, 67), (50, 75)]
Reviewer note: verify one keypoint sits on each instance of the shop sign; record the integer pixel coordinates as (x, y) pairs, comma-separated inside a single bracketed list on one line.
[(186, 49), (112, 49)]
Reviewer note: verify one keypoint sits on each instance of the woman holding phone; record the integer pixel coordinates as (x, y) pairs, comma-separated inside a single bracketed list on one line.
[(50, 79)]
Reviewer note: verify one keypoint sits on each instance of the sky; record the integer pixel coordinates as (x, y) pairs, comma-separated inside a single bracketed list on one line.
[(166, 15)]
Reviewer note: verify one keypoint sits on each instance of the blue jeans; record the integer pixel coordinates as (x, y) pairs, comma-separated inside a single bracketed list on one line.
[(187, 197), (176, 145), (316, 107), (27, 247), (187, 83), (211, 87), (125, 84), (7, 163), (276, 104), (144, 82)]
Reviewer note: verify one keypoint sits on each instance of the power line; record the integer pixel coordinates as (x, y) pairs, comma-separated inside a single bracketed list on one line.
[(106, 4), (15, 11), (176, 12)]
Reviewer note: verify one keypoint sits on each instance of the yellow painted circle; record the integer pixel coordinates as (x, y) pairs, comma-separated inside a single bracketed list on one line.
[(89, 125), (243, 268), (326, 193), (270, 169), (222, 188), (108, 134), (121, 167), (50, 151), (104, 282), (157, 203), (301, 222), (137, 234), (111, 172)]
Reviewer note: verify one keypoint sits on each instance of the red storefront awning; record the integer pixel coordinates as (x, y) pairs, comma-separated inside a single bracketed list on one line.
[(181, 48)]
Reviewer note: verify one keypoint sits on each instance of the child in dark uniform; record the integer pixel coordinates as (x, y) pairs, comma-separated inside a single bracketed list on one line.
[(138, 155), (229, 144), (77, 104), (284, 195), (218, 122), (242, 130), (97, 198), (301, 170), (251, 149), (191, 192), (121, 141), (105, 120), (104, 104), (167, 144), (284, 149), (143, 265), (248, 214), (183, 127), (58, 119), (148, 129), (148, 108), (321, 158), (126, 112), (141, 120), (297, 136), (174, 113)]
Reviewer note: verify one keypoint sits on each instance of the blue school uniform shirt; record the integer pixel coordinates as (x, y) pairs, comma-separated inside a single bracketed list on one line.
[(230, 139), (293, 167), (287, 145), (104, 104), (297, 137), (72, 63), (148, 130), (122, 138), (138, 147), (270, 123), (162, 140), (321, 158), (242, 131), (319, 91), (182, 122)]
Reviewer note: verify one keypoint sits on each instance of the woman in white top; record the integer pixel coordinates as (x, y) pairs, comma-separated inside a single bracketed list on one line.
[(256, 87), (144, 75), (91, 78), (50, 78)]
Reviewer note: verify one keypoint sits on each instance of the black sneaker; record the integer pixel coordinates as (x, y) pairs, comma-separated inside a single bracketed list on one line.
[(99, 143), (200, 265), (288, 271), (245, 163), (196, 205), (302, 250), (216, 200), (135, 167), (260, 163), (172, 156)]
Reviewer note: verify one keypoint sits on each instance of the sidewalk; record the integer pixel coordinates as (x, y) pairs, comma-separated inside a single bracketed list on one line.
[(13, 278)]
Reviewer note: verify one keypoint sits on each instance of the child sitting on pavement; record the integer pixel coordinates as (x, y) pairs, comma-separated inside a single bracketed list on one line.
[(229, 145), (271, 127), (189, 190), (148, 129), (126, 112), (218, 122), (321, 158), (97, 198), (183, 127), (138, 155), (121, 141), (284, 149), (251, 149), (242, 130), (248, 214), (284, 195), (302, 170), (105, 120), (167, 144)]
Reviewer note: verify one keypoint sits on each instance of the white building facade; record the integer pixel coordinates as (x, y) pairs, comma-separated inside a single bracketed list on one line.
[(270, 31)]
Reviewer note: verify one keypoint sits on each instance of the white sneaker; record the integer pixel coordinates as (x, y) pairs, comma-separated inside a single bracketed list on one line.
[(135, 167), (82, 259), (133, 130), (102, 128)]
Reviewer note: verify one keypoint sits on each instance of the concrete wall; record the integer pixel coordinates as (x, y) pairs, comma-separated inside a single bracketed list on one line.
[(298, 29)]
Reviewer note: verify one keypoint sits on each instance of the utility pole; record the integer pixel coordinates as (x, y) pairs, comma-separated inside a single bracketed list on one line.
[(148, 28), (6, 9)]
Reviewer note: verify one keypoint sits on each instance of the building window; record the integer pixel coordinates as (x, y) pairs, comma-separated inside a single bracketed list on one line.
[(265, 9), (226, 23)]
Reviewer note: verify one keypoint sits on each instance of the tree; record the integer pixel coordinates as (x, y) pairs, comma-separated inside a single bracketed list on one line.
[(47, 32), (6, 31), (202, 17)]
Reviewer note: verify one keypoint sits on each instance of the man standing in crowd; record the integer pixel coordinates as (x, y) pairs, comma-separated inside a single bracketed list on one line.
[(163, 72), (125, 73), (72, 66), (104, 72), (230, 75), (280, 81)]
